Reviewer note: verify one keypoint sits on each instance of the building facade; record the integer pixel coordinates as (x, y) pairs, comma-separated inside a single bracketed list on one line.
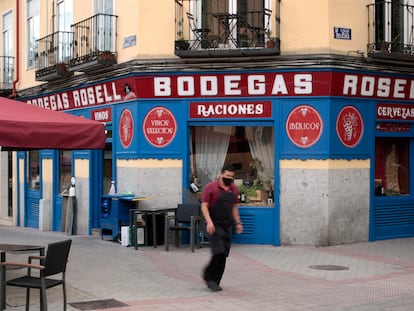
[(311, 101)]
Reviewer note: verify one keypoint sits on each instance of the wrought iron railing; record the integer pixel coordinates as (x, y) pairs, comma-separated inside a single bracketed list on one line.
[(215, 30), (6, 73), (390, 29), (94, 41), (53, 55)]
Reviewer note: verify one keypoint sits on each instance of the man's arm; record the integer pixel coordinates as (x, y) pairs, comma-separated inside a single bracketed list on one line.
[(206, 214), (236, 217)]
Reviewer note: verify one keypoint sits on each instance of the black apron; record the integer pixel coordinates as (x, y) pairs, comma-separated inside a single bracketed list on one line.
[(222, 216)]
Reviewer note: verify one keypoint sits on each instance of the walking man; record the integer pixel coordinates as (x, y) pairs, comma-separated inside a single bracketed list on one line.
[(220, 211)]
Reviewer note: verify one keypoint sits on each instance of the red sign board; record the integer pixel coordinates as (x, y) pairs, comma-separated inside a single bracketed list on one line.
[(102, 115), (262, 109), (126, 128), (234, 85), (159, 127), (349, 126), (304, 126), (395, 112)]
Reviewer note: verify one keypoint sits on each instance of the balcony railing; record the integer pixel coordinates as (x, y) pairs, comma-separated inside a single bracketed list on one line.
[(52, 59), (94, 42), (215, 31), (390, 29), (7, 74)]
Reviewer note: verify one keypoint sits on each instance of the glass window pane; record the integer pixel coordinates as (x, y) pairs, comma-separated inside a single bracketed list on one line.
[(32, 30), (65, 170), (64, 11), (249, 149), (107, 170), (34, 170), (392, 166)]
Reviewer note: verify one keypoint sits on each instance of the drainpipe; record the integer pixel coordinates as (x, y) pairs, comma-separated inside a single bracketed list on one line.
[(17, 59)]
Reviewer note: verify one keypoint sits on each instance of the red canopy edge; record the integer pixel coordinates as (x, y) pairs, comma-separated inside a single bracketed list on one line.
[(23, 126)]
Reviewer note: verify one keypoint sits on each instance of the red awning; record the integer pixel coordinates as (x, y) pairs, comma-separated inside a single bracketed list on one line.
[(23, 126)]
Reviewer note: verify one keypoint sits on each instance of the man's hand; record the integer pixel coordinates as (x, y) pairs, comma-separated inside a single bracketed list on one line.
[(239, 228), (210, 228)]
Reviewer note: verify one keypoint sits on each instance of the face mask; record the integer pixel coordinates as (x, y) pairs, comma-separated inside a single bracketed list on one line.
[(227, 181)]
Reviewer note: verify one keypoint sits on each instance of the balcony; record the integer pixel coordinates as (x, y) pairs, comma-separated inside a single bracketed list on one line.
[(94, 41), (217, 32), (52, 59), (390, 30), (7, 75)]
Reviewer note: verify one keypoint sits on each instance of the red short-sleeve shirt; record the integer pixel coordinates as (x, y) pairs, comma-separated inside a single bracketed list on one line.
[(212, 191)]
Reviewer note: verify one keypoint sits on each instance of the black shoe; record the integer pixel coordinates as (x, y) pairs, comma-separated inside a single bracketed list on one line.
[(213, 286)]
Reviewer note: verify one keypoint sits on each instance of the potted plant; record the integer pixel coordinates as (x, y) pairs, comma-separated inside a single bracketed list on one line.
[(61, 68), (258, 189), (106, 57), (180, 43), (271, 41)]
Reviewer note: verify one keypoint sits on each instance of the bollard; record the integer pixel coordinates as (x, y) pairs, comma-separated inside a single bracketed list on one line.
[(70, 207)]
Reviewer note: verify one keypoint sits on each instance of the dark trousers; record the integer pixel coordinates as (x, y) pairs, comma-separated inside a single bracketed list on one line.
[(215, 269)]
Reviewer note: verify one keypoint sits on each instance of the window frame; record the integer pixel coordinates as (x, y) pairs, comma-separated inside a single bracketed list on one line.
[(190, 177), (33, 31)]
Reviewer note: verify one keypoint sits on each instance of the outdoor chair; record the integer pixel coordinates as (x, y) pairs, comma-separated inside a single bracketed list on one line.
[(52, 264), (199, 33), (187, 218)]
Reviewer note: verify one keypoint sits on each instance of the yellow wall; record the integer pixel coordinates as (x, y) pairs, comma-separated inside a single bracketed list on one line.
[(325, 164), (299, 32), (47, 179), (307, 26), (349, 14), (156, 28), (83, 10)]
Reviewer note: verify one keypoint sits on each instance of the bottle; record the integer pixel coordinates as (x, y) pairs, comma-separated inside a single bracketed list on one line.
[(243, 198), (112, 190), (270, 197), (380, 191), (194, 187)]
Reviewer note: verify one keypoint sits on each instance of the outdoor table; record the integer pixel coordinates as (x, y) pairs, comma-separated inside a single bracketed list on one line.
[(153, 211), (15, 249), (228, 23)]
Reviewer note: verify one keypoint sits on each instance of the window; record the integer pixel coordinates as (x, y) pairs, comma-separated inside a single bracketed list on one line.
[(33, 31), (33, 170), (106, 25), (234, 22), (250, 149), (104, 6), (107, 168), (65, 170), (64, 10), (7, 65), (392, 166), (392, 25)]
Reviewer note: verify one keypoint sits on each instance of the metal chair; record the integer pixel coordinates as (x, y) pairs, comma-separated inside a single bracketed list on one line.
[(187, 218), (52, 264), (199, 33)]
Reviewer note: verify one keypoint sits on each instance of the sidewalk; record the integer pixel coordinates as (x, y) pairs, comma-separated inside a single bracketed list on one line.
[(356, 277)]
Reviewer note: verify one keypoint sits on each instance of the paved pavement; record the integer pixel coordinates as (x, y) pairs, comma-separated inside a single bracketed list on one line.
[(373, 276)]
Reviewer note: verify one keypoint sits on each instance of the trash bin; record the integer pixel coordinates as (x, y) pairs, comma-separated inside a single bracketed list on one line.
[(137, 236), (160, 219)]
